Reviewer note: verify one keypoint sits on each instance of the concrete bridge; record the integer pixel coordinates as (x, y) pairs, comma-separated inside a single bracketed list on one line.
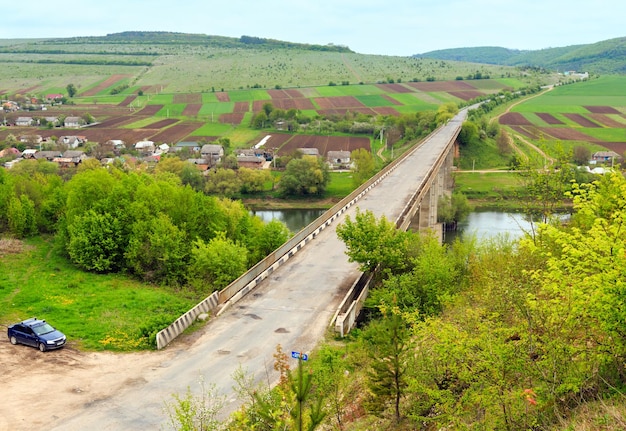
[(288, 299)]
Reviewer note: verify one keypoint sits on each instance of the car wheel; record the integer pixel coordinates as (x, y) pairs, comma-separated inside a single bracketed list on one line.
[(42, 347), (13, 340)]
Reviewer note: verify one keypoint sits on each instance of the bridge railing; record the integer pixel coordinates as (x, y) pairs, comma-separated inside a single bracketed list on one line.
[(259, 272)]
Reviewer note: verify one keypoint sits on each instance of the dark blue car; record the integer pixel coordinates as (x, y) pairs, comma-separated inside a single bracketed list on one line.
[(37, 333)]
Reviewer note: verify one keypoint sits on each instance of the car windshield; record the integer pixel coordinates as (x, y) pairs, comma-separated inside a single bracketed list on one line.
[(43, 329)]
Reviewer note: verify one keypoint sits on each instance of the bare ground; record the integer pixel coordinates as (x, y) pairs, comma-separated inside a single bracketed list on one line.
[(37, 388)]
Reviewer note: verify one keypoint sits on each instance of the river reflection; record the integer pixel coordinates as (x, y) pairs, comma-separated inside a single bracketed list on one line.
[(489, 224), (295, 220)]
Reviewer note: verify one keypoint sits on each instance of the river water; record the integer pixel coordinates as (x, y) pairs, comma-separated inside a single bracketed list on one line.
[(481, 223)]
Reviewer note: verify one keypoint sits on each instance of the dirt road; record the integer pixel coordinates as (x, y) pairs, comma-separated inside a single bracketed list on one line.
[(39, 388)]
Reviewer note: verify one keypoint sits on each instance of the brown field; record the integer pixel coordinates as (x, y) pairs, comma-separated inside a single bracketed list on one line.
[(176, 133), (446, 86), (188, 98), (233, 118), (548, 118), (285, 104), (338, 102), (322, 143), (466, 95), (581, 120), (128, 100), (386, 110), (275, 140), (150, 110), (115, 121), (241, 107), (294, 94), (607, 121), (105, 84), (27, 90), (514, 119), (394, 88), (192, 109), (161, 124), (391, 99), (618, 147), (567, 134), (222, 96), (601, 109)]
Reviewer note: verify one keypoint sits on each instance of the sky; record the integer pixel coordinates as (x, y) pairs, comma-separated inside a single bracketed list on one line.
[(384, 27)]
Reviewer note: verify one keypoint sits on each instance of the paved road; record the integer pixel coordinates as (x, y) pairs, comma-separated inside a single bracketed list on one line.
[(292, 308)]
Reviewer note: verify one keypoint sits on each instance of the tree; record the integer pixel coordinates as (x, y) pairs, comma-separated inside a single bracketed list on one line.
[(71, 90), (468, 134), (389, 342), (364, 166), (581, 155), (373, 243), (253, 180), (218, 262), (223, 182), (306, 176)]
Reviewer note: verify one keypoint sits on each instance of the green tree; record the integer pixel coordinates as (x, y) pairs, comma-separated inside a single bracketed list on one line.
[(373, 243), (389, 343), (71, 90), (581, 155), (364, 166), (158, 251), (223, 182), (469, 133), (97, 241), (191, 412), (306, 176), (253, 180), (218, 262)]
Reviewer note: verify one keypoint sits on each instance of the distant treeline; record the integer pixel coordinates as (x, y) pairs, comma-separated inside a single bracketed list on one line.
[(84, 62), (66, 52), (170, 38)]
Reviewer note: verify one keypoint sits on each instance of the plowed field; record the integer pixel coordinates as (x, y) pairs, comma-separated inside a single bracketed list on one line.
[(150, 110), (188, 98), (322, 143), (222, 96), (601, 109), (548, 118), (192, 109), (176, 133), (567, 134), (466, 95), (105, 84), (446, 86), (232, 118), (514, 119), (128, 100), (338, 102), (394, 88), (581, 120), (607, 121), (161, 124)]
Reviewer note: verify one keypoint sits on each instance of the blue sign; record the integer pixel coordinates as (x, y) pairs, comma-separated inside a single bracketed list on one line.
[(299, 355)]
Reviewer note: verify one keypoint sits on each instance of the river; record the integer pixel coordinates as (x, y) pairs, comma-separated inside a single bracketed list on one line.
[(483, 224)]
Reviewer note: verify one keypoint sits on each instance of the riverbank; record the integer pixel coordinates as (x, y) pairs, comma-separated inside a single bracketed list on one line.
[(289, 204)]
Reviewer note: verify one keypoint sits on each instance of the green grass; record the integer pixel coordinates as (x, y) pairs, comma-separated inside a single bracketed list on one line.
[(216, 108), (491, 186), (160, 99), (96, 312), (374, 100), (606, 134), (172, 110), (340, 185), (213, 129), (603, 86)]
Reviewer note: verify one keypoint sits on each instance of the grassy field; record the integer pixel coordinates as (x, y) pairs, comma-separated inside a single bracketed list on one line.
[(492, 186), (96, 312)]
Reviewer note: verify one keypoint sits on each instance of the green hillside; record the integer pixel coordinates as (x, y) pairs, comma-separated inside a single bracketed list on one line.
[(605, 57)]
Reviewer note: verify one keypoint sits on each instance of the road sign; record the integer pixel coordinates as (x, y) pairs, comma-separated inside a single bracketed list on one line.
[(299, 355)]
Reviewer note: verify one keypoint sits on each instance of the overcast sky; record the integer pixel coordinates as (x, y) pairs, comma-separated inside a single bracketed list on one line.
[(386, 27)]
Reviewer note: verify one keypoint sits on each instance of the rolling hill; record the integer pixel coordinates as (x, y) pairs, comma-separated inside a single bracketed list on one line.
[(605, 57)]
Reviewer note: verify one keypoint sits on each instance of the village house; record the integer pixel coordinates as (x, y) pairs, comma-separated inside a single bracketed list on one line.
[(29, 153), (212, 153), (73, 122), (192, 146), (24, 121), (53, 97), (70, 158), (309, 151), (339, 159), (72, 141), (146, 148), (116, 144), (31, 139), (10, 152), (10, 106), (251, 162), (606, 157), (199, 163), (47, 155)]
